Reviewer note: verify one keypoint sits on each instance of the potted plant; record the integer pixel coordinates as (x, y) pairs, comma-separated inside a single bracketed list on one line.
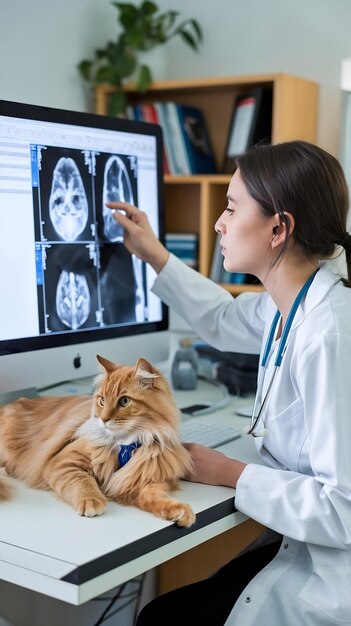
[(143, 27)]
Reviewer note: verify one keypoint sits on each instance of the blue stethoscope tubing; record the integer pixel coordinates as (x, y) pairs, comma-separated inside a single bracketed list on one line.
[(279, 357)]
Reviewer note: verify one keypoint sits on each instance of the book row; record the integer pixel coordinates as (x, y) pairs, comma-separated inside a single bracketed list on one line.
[(187, 145), (187, 148), (184, 246)]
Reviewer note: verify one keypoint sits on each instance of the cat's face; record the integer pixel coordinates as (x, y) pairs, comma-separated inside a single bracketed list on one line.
[(133, 403)]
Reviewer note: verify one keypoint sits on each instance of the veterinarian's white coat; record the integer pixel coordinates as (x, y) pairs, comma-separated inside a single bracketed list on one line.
[(304, 491)]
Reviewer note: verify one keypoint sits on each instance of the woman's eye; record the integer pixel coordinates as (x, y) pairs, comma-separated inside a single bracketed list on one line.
[(124, 401), (229, 210), (101, 400)]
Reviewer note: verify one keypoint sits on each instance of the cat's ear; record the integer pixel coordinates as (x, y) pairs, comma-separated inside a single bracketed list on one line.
[(145, 372), (106, 364)]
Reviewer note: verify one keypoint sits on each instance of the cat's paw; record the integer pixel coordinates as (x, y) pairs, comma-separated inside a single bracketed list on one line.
[(5, 490), (90, 506), (180, 513)]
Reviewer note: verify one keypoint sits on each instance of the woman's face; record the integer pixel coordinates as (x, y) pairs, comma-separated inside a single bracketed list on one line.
[(246, 234)]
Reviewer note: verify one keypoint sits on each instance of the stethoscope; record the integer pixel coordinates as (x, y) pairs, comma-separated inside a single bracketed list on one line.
[(256, 415)]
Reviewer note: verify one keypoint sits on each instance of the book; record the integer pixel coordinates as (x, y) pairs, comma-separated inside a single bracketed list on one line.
[(163, 121), (138, 112), (196, 139), (150, 115), (251, 123), (177, 139), (184, 246)]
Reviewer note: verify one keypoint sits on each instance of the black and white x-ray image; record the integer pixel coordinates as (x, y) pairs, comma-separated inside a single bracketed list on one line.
[(115, 182), (118, 286), (65, 195), (138, 266), (70, 280)]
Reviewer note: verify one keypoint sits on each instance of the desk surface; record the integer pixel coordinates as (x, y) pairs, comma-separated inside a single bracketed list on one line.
[(45, 546)]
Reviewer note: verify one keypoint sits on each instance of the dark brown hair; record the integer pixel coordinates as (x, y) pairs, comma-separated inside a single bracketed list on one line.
[(300, 178)]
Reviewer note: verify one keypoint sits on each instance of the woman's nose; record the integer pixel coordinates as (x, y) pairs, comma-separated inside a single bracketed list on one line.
[(218, 227)]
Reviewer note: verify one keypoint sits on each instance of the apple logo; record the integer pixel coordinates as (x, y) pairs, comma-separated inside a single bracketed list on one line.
[(77, 361)]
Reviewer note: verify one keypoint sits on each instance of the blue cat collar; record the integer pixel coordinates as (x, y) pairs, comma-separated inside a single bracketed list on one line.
[(126, 452)]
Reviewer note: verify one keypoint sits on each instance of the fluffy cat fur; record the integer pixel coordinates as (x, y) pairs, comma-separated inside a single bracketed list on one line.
[(70, 444)]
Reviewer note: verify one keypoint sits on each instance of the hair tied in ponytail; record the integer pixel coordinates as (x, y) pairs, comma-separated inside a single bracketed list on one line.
[(344, 240)]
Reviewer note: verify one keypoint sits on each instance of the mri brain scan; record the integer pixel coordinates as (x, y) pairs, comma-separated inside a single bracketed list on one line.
[(73, 301), (117, 188), (68, 203)]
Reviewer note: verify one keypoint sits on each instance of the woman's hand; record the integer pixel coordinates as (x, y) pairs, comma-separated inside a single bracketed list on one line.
[(212, 467), (139, 238)]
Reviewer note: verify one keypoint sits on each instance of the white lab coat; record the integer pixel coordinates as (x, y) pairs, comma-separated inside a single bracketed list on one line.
[(303, 491)]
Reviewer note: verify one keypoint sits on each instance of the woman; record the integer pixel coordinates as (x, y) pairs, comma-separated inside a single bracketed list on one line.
[(287, 210)]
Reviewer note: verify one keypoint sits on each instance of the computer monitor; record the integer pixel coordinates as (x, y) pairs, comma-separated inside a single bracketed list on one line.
[(69, 288)]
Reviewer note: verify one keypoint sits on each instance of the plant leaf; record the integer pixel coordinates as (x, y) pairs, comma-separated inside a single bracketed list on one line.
[(84, 67), (197, 28), (188, 39), (144, 78), (149, 8), (117, 103), (128, 14)]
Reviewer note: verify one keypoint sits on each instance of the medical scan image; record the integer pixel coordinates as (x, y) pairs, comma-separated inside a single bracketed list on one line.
[(116, 188), (73, 303), (118, 284), (65, 195), (68, 204), (87, 277), (71, 300)]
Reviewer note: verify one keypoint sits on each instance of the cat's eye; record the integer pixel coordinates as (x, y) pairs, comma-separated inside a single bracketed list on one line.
[(124, 401), (101, 400)]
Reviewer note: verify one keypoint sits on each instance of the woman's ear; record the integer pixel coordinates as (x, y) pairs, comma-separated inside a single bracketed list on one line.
[(282, 230)]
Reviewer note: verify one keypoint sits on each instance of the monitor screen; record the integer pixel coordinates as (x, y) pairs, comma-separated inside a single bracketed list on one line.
[(66, 278)]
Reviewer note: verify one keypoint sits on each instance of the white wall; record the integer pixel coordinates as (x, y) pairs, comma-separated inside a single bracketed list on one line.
[(41, 43)]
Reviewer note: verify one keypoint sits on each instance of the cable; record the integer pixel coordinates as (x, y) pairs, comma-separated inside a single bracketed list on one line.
[(137, 604), (110, 604), (131, 596), (221, 403)]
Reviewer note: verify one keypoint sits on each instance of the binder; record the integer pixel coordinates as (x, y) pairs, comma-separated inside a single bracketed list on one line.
[(196, 139), (251, 123)]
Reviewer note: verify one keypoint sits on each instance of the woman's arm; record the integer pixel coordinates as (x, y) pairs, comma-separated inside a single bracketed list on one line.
[(224, 322), (139, 237), (212, 467)]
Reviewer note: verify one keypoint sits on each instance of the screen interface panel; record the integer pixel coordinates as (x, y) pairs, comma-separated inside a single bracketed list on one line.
[(63, 266)]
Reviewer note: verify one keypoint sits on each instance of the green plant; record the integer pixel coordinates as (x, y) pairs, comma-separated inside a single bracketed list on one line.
[(142, 28)]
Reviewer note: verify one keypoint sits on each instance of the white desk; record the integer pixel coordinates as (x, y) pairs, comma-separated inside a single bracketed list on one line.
[(46, 547)]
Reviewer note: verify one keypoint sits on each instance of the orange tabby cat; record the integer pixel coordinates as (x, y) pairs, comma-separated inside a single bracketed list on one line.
[(76, 445)]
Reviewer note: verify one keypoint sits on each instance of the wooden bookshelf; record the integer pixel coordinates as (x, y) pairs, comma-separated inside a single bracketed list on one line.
[(193, 203)]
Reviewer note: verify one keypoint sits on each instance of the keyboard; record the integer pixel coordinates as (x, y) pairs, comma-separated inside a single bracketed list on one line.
[(210, 435)]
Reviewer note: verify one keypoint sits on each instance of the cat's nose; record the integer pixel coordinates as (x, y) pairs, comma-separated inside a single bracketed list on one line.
[(104, 418)]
